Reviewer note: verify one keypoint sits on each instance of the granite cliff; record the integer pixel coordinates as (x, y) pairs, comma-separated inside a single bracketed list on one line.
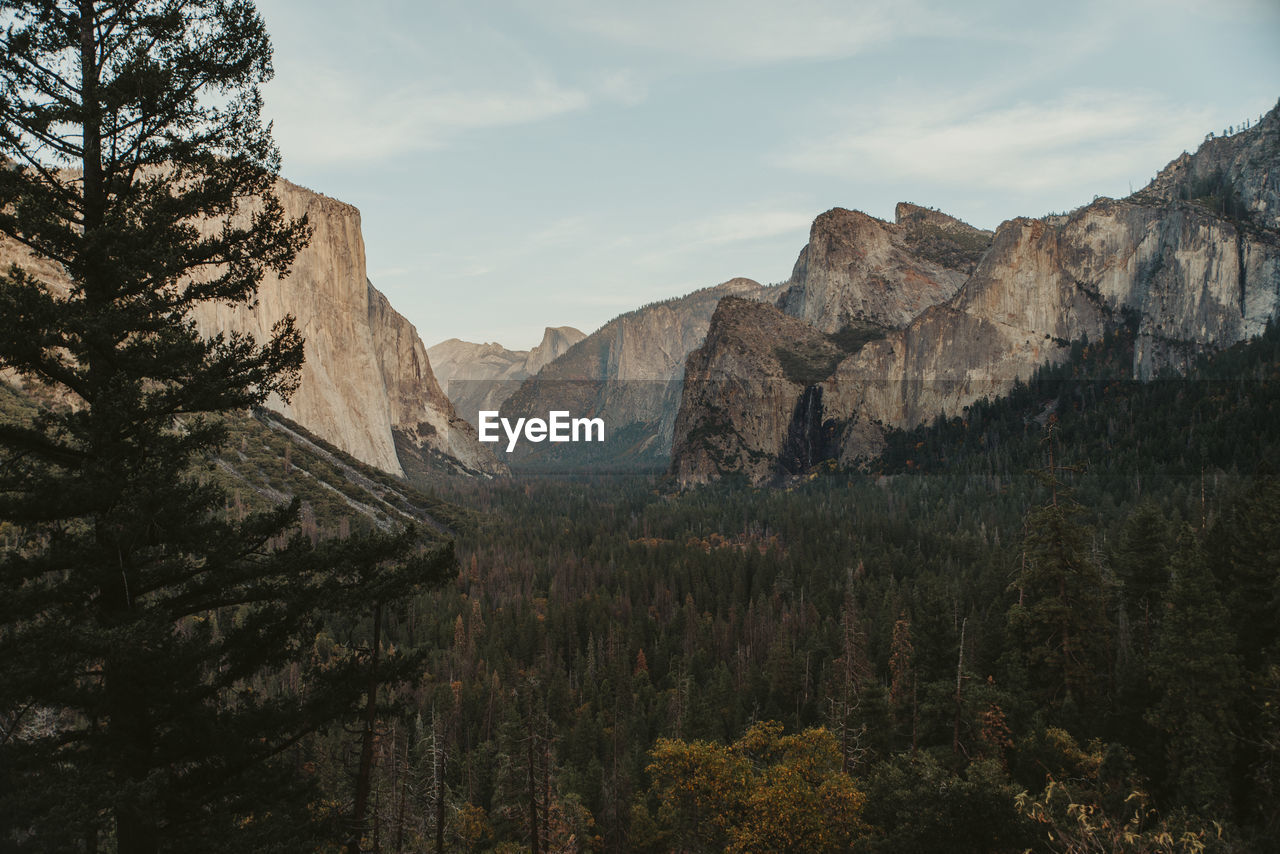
[(483, 376), (367, 386), (757, 359), (1190, 262)]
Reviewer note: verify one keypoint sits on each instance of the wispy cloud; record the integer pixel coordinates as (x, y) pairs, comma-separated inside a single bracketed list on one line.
[(747, 31), (325, 116), (1085, 139), (740, 225)]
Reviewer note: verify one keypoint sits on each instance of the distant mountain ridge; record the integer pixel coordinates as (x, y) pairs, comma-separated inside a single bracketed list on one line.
[(629, 373), (856, 276), (482, 376)]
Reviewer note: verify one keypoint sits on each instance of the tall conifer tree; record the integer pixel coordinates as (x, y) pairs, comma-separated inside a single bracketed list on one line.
[(1196, 677), (1059, 622), (139, 628)]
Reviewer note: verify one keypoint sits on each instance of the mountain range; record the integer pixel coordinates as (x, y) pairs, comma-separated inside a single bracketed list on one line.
[(1189, 263), (881, 325), (483, 376)]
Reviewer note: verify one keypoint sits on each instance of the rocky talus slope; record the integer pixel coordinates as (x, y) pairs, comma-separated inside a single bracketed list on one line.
[(1190, 262), (482, 376)]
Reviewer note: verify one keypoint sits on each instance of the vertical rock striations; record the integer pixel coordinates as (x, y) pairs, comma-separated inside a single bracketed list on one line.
[(424, 424), (341, 398), (556, 341), (748, 377), (366, 381), (857, 279)]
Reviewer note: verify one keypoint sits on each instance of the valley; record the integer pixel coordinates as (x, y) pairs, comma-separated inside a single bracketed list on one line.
[(955, 539)]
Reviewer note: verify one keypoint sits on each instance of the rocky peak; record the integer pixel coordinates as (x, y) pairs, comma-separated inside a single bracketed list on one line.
[(556, 340), (906, 213), (1192, 262), (935, 236), (859, 269), (1237, 175), (739, 286)]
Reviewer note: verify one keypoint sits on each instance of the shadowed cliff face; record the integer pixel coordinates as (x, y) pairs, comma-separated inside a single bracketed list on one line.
[(424, 423), (750, 402), (747, 378), (1191, 262), (366, 375)]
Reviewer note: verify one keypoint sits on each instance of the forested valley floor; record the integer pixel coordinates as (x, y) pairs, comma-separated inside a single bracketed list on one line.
[(1051, 625)]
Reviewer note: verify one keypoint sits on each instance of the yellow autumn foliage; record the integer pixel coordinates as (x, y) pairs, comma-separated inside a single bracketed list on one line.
[(765, 792)]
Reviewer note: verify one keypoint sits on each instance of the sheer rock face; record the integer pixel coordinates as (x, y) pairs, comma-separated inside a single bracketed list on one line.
[(1189, 281), (483, 376), (1188, 269), (629, 373), (857, 278), (556, 341), (366, 374), (857, 268), (341, 397), (747, 384), (423, 420)]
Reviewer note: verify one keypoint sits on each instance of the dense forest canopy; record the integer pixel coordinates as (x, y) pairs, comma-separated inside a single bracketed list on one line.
[(1048, 625)]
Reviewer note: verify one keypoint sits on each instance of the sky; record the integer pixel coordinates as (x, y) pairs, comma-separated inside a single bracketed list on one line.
[(529, 163)]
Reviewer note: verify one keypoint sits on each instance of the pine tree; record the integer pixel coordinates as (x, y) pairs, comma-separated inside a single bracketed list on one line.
[(1059, 622), (1197, 678), (902, 677), (139, 625), (1142, 566), (1245, 552)]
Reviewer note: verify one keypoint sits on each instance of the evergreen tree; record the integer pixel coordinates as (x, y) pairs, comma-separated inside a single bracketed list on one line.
[(1197, 677), (1142, 566), (141, 631), (1245, 549), (1059, 622)]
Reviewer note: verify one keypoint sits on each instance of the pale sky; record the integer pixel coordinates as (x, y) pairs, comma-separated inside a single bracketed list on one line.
[(531, 163)]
